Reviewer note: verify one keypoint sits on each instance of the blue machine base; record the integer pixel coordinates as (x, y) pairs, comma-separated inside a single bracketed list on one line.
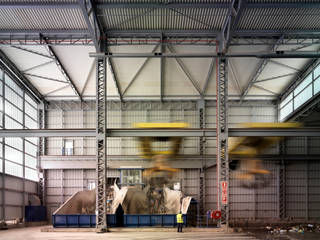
[(129, 220)]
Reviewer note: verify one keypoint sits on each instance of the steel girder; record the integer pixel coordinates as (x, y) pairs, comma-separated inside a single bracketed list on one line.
[(190, 132), (101, 167), (276, 54)]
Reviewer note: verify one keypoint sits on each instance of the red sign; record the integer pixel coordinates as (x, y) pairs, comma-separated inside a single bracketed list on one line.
[(224, 192)]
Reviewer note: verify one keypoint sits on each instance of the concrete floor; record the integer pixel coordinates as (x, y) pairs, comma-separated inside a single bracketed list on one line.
[(34, 233)]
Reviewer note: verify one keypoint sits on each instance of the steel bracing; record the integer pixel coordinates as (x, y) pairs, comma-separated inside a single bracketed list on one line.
[(101, 168), (222, 137)]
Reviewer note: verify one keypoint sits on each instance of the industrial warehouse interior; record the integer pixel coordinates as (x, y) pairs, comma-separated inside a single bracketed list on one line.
[(134, 119)]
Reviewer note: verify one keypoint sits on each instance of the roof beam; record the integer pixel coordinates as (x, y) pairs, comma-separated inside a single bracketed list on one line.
[(305, 33), (185, 70), (32, 51), (275, 77), (264, 89), (62, 69), (186, 132), (138, 71), (204, 5), (266, 55), (46, 78), (230, 25), (92, 23), (261, 66), (24, 82), (56, 90), (38, 66)]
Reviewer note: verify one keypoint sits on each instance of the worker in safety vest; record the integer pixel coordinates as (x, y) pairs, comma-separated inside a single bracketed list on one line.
[(180, 221)]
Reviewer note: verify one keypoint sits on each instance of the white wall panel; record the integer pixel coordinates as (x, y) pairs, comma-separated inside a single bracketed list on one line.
[(13, 183), (31, 187), (13, 198), (13, 213)]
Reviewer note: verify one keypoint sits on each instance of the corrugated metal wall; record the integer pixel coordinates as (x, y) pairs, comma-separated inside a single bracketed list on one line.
[(301, 179), (16, 195)]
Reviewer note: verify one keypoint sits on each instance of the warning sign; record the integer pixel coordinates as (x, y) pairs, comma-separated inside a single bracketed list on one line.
[(224, 192)]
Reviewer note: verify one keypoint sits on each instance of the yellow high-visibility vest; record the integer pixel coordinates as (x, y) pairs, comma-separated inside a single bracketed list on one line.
[(179, 218)]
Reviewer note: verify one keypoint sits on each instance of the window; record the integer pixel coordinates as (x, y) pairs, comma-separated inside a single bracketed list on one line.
[(131, 176), (316, 72), (31, 174), (303, 85), (68, 147), (316, 86), (13, 169), (91, 184), (305, 90), (302, 97), (19, 111)]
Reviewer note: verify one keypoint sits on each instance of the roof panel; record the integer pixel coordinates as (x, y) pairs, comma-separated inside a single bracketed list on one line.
[(41, 18), (279, 19), (162, 18)]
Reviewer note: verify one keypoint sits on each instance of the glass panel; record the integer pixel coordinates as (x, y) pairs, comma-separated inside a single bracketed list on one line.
[(316, 71), (33, 140), (32, 112), (1, 104), (303, 84), (13, 112), (14, 142), (287, 99), (302, 97), (13, 85), (13, 155), (30, 161), (13, 169), (30, 149), (68, 147), (285, 111), (14, 98), (30, 123), (1, 165), (31, 101), (316, 86), (1, 87), (31, 174), (131, 176), (11, 124)]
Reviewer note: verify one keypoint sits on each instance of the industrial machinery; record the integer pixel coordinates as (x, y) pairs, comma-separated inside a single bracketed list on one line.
[(250, 170), (160, 174)]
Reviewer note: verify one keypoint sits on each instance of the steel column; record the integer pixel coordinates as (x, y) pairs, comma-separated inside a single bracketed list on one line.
[(282, 181), (41, 152), (101, 168), (3, 217), (222, 136), (162, 47), (201, 111)]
